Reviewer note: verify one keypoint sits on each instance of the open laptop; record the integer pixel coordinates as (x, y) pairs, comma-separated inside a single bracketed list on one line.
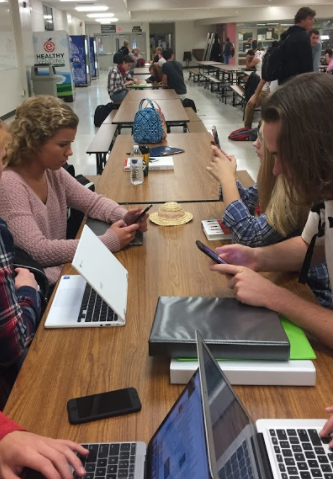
[(98, 295)]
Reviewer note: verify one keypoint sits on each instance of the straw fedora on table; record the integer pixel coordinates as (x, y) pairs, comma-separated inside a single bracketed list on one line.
[(171, 214)]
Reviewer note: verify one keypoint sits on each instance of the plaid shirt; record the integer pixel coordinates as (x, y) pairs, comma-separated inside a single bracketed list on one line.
[(116, 80), (19, 316), (254, 231)]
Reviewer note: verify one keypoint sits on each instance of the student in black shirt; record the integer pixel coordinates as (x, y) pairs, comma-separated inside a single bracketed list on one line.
[(172, 73)]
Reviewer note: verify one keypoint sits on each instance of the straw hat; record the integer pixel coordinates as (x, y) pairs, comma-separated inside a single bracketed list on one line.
[(170, 214)]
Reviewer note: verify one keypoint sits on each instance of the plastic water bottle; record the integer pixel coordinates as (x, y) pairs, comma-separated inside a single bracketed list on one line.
[(136, 166)]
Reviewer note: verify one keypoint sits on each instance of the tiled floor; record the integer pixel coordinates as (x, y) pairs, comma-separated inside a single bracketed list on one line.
[(211, 111)]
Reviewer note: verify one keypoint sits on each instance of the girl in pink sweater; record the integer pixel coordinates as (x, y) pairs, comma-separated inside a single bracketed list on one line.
[(35, 190)]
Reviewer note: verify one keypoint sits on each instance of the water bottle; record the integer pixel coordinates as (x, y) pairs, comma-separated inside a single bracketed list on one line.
[(145, 157), (136, 166)]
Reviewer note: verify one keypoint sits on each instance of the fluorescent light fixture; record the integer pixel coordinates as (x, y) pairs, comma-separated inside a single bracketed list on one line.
[(287, 24), (105, 20), (98, 8), (272, 23), (324, 37), (47, 16), (261, 24), (49, 21), (75, 1), (100, 15)]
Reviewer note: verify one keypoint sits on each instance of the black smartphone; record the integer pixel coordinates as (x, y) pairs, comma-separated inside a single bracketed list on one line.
[(214, 256), (216, 137), (142, 214), (103, 405)]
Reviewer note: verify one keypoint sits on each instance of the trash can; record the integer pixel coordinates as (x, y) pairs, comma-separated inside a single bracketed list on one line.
[(44, 79)]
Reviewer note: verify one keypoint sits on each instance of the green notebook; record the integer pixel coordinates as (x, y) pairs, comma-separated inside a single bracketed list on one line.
[(300, 347)]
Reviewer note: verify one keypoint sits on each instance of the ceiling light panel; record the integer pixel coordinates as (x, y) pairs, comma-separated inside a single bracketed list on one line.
[(97, 8), (100, 15)]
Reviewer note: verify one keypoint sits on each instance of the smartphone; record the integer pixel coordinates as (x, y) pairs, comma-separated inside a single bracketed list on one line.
[(142, 214), (214, 256), (103, 405), (216, 137)]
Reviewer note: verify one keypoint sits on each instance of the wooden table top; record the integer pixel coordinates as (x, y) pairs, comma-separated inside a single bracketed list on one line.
[(172, 109), (64, 364), (228, 68), (161, 94), (189, 181), (206, 63)]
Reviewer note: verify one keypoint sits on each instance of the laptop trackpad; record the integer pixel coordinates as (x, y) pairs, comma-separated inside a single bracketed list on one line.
[(68, 297)]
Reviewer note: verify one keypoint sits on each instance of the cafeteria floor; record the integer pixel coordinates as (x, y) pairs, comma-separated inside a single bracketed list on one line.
[(209, 108)]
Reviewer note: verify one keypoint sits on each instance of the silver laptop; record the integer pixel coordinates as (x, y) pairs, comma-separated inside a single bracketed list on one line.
[(97, 296), (269, 448)]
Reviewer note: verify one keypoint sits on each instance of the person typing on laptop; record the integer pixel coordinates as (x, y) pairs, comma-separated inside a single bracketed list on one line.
[(298, 121), (50, 457), (36, 190)]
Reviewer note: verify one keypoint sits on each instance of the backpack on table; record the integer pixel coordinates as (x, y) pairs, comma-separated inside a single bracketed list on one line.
[(149, 124)]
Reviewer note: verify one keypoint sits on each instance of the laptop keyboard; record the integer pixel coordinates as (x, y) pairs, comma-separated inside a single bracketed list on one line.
[(94, 308), (238, 466), (300, 454), (109, 461)]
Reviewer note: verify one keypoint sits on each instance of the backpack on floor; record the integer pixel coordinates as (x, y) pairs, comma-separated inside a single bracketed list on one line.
[(244, 134), (101, 112), (188, 103)]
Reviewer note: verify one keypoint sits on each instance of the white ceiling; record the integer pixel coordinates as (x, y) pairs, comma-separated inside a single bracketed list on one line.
[(214, 11)]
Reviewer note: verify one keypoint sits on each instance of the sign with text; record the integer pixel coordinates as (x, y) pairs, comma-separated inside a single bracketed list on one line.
[(108, 28)]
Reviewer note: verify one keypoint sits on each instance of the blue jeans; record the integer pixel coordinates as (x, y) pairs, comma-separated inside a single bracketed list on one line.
[(118, 96), (227, 59)]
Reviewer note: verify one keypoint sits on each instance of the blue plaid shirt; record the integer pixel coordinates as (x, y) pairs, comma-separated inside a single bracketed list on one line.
[(254, 231)]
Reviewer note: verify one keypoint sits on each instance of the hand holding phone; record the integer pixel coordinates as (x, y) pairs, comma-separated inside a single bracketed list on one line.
[(141, 215), (210, 253), (216, 137), (104, 405)]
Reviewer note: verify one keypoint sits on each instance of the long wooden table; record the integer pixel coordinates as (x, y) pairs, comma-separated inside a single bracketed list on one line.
[(189, 181), (161, 94), (63, 364), (172, 109)]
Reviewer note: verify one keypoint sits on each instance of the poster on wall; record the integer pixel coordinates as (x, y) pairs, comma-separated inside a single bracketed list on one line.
[(81, 59), (54, 48)]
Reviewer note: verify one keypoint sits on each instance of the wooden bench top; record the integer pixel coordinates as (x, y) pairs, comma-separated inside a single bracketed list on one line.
[(237, 89), (103, 138)]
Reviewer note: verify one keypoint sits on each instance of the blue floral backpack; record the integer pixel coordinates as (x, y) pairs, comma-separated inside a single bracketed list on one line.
[(149, 123)]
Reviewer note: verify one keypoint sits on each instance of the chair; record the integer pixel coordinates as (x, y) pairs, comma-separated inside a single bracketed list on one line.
[(187, 57)]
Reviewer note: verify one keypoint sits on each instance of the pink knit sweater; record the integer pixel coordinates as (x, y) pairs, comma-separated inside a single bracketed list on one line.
[(41, 229)]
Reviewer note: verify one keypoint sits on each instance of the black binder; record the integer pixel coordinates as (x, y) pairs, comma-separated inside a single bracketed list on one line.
[(232, 330)]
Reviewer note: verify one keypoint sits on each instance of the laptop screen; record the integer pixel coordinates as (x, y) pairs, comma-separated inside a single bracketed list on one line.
[(233, 433), (178, 449)]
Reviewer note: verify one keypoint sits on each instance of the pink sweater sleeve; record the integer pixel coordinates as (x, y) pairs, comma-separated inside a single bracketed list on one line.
[(41, 229), (7, 426)]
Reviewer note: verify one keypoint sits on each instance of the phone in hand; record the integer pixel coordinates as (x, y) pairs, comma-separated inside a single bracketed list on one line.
[(216, 137), (210, 253), (141, 215), (103, 405)]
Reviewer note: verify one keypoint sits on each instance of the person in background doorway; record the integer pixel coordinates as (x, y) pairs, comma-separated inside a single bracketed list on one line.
[(227, 51), (316, 49)]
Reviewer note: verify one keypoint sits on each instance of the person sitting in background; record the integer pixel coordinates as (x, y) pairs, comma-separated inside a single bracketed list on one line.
[(20, 309), (36, 190), (298, 129), (158, 50), (161, 59), (119, 78), (172, 73), (51, 457), (278, 219), (329, 60), (155, 74)]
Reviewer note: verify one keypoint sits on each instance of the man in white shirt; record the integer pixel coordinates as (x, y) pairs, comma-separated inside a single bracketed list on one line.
[(298, 128)]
